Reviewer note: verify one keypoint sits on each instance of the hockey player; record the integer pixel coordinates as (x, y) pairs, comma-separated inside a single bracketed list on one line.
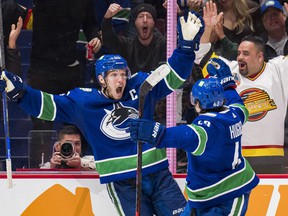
[(219, 178), (102, 116)]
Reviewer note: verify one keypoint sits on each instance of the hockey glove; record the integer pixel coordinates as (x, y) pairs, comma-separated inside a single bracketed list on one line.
[(145, 130), (190, 31), (12, 84), (218, 68)]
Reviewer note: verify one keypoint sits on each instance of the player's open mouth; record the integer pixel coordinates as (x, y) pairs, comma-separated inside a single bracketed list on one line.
[(118, 90)]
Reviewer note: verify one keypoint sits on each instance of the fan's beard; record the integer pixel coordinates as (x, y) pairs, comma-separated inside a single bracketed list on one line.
[(244, 72)]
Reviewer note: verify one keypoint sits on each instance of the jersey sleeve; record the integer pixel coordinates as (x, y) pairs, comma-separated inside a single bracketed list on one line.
[(234, 100), (191, 138), (232, 97), (48, 107)]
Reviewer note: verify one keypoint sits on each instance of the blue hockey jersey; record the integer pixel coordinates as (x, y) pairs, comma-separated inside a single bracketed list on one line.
[(103, 121), (217, 171)]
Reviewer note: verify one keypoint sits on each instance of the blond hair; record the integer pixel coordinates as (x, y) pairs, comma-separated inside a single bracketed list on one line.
[(242, 12)]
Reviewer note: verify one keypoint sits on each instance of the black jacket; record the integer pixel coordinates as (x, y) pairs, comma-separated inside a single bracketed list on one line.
[(13, 61)]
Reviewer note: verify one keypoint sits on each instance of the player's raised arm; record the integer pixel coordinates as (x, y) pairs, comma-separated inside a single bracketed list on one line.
[(180, 63)]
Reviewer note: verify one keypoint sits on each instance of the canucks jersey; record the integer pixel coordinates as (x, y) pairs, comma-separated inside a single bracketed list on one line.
[(103, 121), (217, 171)]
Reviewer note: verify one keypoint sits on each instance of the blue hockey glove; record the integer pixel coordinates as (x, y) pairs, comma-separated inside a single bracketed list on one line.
[(218, 68), (190, 31), (12, 84), (145, 130)]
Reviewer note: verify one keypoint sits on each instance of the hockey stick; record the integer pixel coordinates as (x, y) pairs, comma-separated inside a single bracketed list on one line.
[(154, 78), (5, 108)]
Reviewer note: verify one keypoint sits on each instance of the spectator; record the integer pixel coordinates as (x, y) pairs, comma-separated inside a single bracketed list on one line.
[(219, 177), (143, 52), (70, 135), (262, 142), (54, 67), (102, 117), (131, 30), (273, 19)]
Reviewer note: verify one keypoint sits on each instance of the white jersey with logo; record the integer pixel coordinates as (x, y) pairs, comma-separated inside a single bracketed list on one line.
[(265, 96)]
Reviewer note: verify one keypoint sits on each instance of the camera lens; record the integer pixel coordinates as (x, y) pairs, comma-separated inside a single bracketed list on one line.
[(67, 150)]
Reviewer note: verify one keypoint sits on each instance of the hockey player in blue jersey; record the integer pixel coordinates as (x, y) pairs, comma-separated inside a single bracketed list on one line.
[(102, 117), (219, 178)]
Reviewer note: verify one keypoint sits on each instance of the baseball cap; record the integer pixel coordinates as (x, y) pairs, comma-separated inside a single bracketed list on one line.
[(271, 4), (145, 7)]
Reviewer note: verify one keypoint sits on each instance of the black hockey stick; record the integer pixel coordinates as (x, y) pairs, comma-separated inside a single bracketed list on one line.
[(154, 78), (5, 107)]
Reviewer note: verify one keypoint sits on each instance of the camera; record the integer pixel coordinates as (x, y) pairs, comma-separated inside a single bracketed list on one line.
[(67, 150)]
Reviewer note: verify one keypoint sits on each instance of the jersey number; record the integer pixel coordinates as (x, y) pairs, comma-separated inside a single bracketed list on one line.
[(236, 160)]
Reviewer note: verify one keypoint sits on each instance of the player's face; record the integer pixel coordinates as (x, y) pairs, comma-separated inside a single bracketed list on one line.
[(250, 60), (116, 82), (144, 25), (76, 139)]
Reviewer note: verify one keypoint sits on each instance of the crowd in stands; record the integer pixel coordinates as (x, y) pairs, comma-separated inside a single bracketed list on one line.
[(131, 29)]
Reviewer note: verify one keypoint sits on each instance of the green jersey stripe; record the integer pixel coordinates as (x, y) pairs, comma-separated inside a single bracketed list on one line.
[(125, 164), (48, 107), (238, 206), (113, 196), (202, 136), (173, 80)]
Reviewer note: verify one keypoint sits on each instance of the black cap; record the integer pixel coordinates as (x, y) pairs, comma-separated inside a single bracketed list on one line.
[(144, 7)]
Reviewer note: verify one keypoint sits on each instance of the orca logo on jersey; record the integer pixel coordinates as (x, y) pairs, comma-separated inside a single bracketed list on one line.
[(112, 123)]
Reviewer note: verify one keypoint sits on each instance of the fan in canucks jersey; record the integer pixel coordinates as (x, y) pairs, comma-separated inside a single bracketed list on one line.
[(219, 179), (102, 116)]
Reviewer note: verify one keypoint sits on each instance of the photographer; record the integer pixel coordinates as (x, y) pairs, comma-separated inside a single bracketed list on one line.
[(67, 152)]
